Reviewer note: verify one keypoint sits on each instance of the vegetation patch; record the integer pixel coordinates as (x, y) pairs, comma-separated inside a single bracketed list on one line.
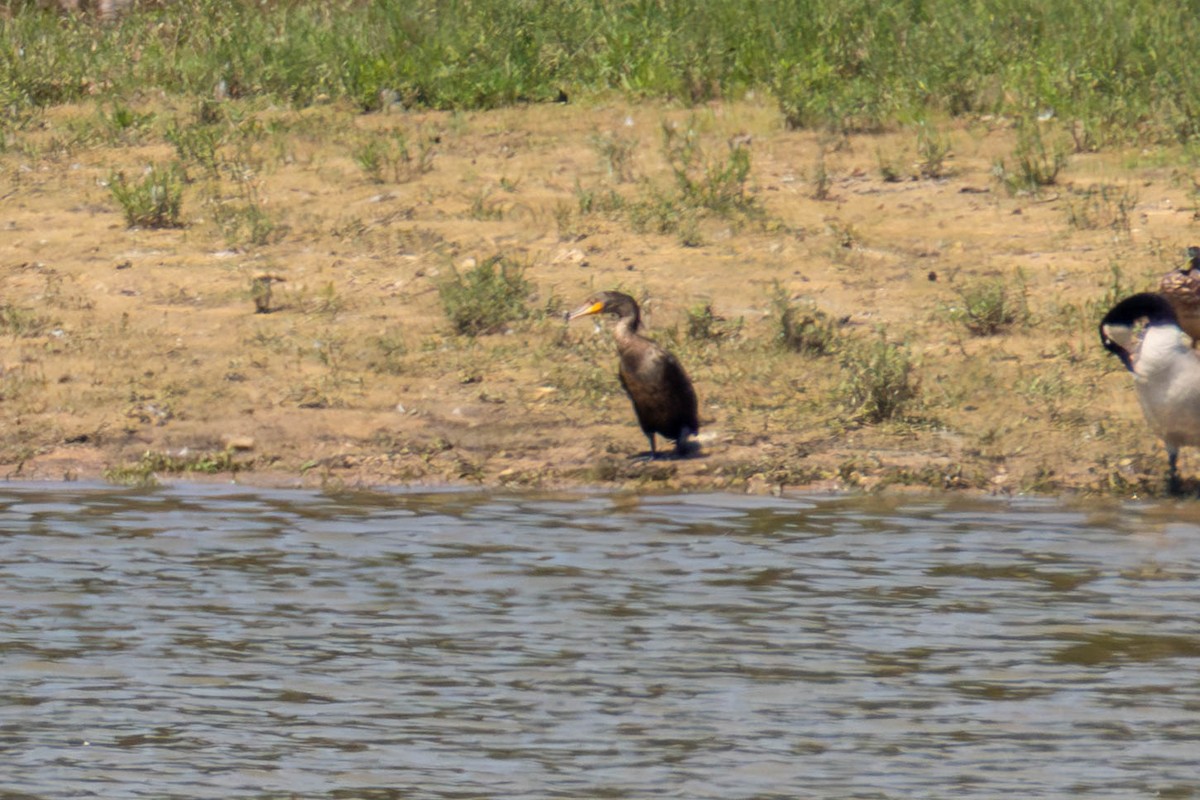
[(989, 306), (388, 155), (1100, 207), (143, 472), (1034, 163), (152, 201), (878, 380), (802, 327), (843, 67), (704, 325), (487, 298)]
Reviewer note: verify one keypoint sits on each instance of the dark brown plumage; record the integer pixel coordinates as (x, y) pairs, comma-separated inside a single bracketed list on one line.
[(1181, 287), (662, 394)]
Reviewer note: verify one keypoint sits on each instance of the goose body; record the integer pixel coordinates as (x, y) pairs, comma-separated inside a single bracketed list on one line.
[(663, 397), (1166, 371), (1181, 287)]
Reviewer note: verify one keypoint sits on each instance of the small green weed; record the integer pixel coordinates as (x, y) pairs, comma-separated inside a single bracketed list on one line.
[(878, 381), (616, 155), (153, 202), (487, 297), (370, 157), (713, 184), (124, 125), (388, 155), (933, 148), (1118, 289), (892, 167), (821, 180), (244, 222), (328, 300), (596, 201), (1036, 164), (143, 471), (485, 208), (705, 326), (19, 321), (803, 328), (197, 144), (243, 219), (389, 351), (1103, 206), (988, 306)]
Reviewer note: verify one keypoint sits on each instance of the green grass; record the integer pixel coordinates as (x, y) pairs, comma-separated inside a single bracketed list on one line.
[(486, 298), (714, 183), (802, 327), (1036, 161), (17, 321), (143, 472), (988, 306), (153, 201), (1117, 71), (704, 186), (878, 380), (1102, 206), (387, 155), (703, 325)]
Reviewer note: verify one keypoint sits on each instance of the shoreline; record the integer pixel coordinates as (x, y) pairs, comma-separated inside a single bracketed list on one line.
[(133, 351)]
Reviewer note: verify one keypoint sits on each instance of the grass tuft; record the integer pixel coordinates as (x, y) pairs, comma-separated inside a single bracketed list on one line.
[(1035, 163), (388, 155), (145, 470), (803, 328), (1103, 206), (989, 306), (878, 383), (154, 201), (715, 184), (487, 298), (616, 155), (705, 326)]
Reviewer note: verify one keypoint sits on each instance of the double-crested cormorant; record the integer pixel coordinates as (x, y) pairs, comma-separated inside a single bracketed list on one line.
[(662, 394), (1182, 288), (1166, 372)]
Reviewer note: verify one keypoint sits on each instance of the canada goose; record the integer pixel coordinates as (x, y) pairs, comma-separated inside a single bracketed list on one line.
[(1182, 288), (662, 394), (1166, 371)]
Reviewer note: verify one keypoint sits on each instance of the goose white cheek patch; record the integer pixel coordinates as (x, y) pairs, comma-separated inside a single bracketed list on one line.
[(1122, 335)]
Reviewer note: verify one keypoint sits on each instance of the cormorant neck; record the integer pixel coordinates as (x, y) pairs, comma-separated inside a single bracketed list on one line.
[(628, 324)]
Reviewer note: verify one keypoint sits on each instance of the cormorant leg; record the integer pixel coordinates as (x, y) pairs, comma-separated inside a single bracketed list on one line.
[(1173, 485)]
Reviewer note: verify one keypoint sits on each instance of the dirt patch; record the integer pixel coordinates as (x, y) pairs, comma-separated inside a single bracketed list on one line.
[(130, 351)]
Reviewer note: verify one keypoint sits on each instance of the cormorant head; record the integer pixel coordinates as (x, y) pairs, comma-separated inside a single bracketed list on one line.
[(617, 303), (1117, 327)]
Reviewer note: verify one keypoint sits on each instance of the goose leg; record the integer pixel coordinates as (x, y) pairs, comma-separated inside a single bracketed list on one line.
[(1173, 485)]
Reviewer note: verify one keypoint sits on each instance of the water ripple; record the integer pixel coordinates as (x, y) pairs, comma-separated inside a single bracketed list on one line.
[(215, 642)]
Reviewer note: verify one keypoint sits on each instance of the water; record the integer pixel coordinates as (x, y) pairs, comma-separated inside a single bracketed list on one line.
[(201, 642)]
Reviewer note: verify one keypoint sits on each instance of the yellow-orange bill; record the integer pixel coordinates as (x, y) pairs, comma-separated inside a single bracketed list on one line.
[(585, 310)]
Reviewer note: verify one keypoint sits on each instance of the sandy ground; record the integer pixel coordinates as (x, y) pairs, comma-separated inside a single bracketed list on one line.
[(131, 351)]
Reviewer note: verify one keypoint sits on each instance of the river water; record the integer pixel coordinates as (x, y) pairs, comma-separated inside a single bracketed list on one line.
[(220, 642)]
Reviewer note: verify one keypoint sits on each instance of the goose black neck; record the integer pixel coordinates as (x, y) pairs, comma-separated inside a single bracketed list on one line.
[(1148, 306)]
